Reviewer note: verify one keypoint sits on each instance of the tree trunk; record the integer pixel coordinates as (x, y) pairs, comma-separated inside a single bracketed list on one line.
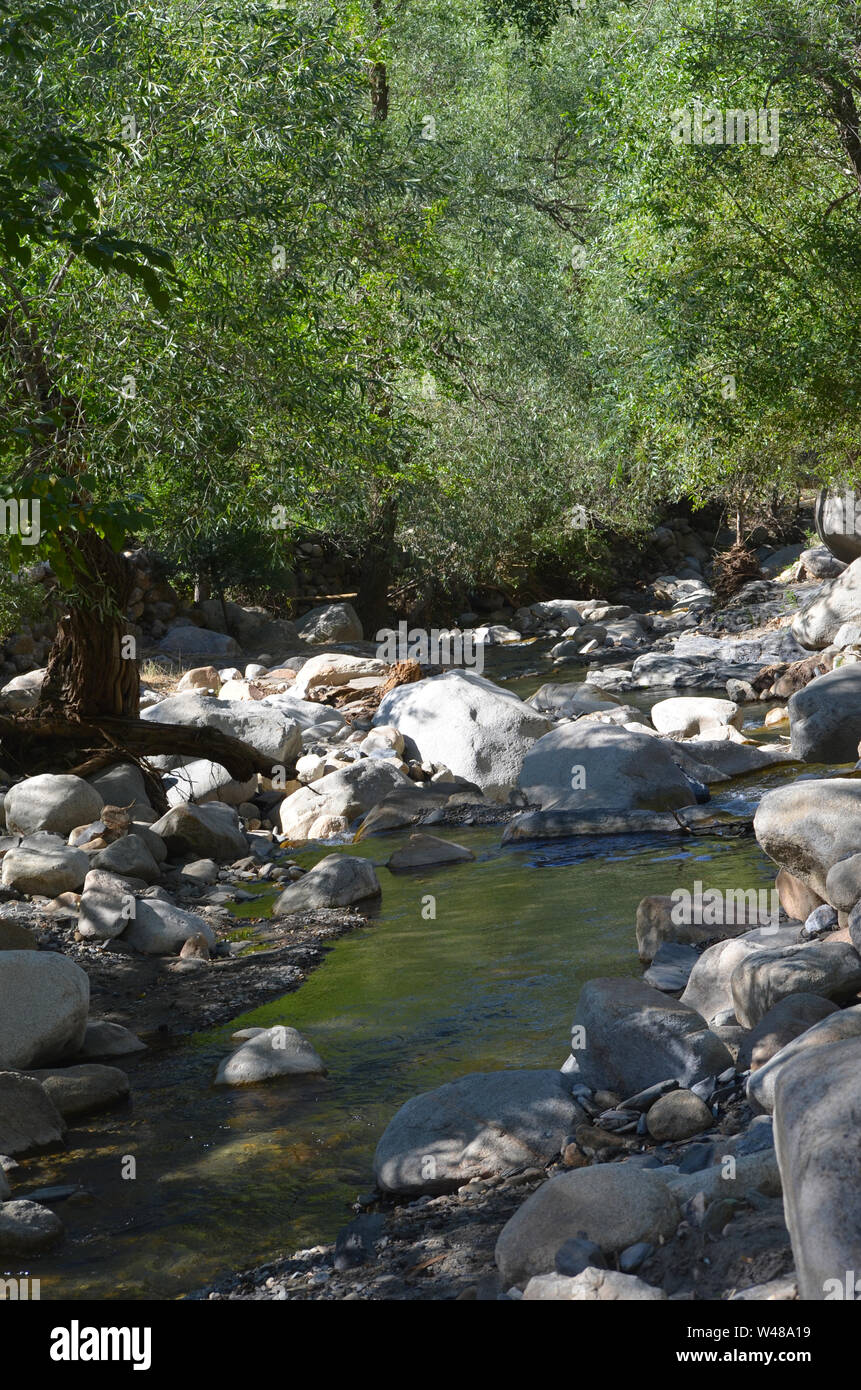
[(376, 569), (92, 667)]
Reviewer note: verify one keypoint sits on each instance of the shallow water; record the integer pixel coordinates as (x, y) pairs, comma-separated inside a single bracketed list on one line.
[(228, 1178)]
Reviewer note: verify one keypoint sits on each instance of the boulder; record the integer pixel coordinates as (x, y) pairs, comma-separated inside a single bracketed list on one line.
[(51, 801), (678, 1115), (315, 721), (838, 524), (570, 701), (627, 1037), (272, 1052), (561, 613), (334, 668), (489, 1124), (837, 601), (160, 929), (128, 856), (810, 825), (210, 831), (593, 1285), (843, 884), (44, 999), (788, 1019), (27, 1228), (336, 881), (819, 563), (427, 851), (85, 1089), (825, 717), (202, 780), (330, 622), (465, 723), (269, 731), (686, 716), (709, 987), (103, 1039), (338, 799), (29, 1120), (615, 1205), (44, 866), (796, 899), (198, 643), (657, 924), (831, 969), (122, 785), (582, 766), (817, 1107), (103, 916), (836, 1028), (204, 678)]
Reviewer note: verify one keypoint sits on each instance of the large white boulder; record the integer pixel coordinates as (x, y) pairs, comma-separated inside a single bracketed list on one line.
[(203, 780), (685, 716), (271, 1053), (55, 802), (44, 1000), (825, 717), (467, 723)]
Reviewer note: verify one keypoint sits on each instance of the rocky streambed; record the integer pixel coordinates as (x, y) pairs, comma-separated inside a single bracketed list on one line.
[(488, 859)]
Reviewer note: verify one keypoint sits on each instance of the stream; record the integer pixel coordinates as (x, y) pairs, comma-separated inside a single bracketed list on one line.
[(231, 1177)]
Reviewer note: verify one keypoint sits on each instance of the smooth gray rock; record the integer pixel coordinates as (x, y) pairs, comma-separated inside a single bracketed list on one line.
[(825, 717), (808, 826), (104, 916), (828, 968), (51, 801), (128, 856), (426, 851), (616, 1205), (817, 1109), (202, 780), (582, 766), (331, 805), (211, 831), (198, 643), (835, 1028), (104, 1039), (787, 1019), (330, 622), (44, 999), (271, 1053), (268, 731), (843, 883), (482, 1125), (29, 1120), (336, 881), (633, 1037), (46, 868), (160, 929), (121, 785), (84, 1089)]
